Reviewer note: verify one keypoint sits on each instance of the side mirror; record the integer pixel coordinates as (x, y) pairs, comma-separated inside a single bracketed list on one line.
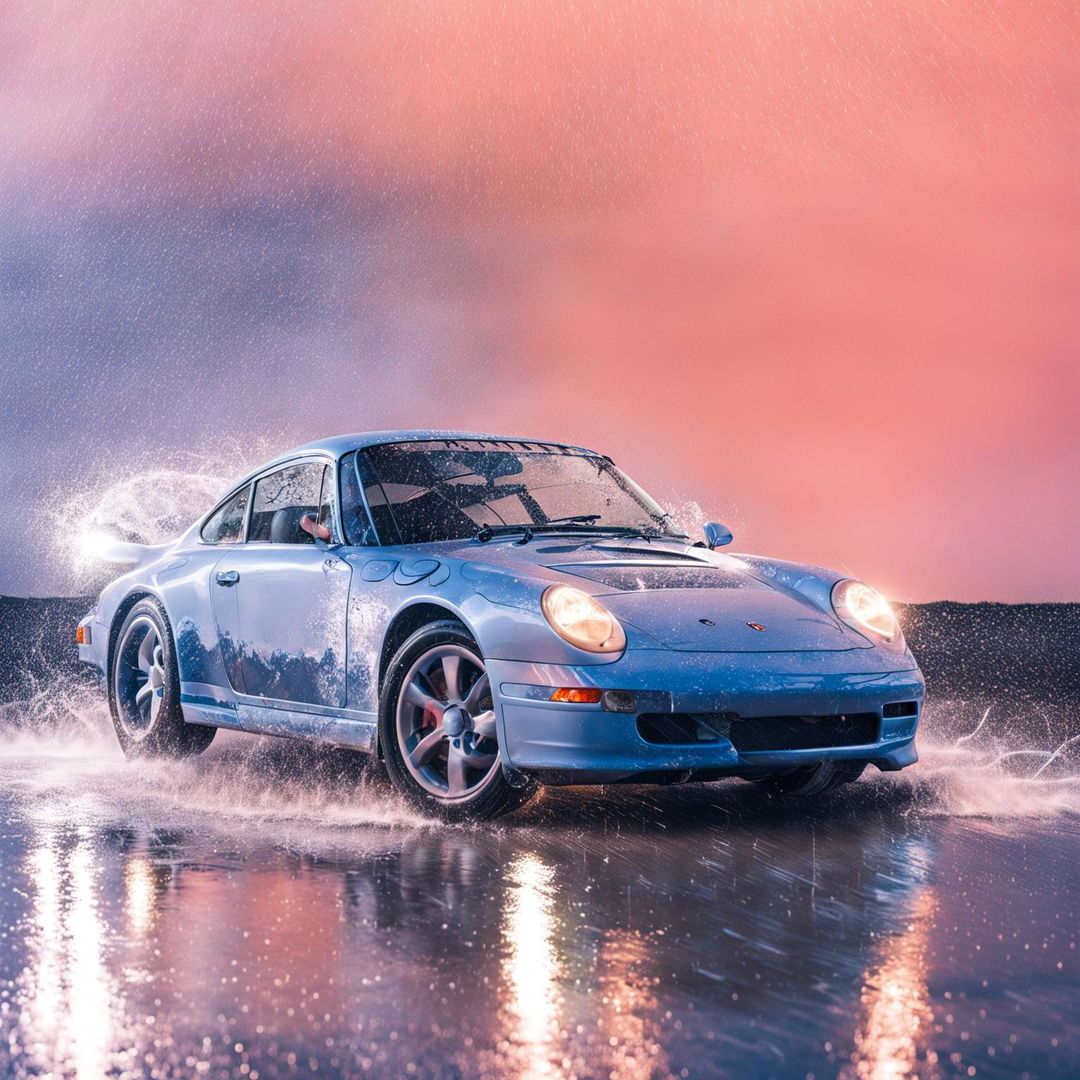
[(717, 535)]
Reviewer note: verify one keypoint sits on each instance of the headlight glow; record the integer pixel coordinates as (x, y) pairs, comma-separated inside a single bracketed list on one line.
[(582, 620), (863, 608)]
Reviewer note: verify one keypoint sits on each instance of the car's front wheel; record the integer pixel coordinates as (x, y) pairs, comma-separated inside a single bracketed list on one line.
[(437, 728), (144, 689)]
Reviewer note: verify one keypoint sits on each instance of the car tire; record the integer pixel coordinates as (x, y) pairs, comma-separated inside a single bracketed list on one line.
[(437, 728), (813, 779), (144, 689)]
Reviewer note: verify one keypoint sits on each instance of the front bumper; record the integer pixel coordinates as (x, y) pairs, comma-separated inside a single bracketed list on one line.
[(584, 744)]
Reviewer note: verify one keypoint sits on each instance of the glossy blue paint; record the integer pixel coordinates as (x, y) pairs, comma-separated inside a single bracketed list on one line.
[(288, 639), (542, 736), (285, 620)]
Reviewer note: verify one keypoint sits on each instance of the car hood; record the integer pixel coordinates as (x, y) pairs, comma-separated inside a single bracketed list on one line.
[(743, 620), (685, 598)]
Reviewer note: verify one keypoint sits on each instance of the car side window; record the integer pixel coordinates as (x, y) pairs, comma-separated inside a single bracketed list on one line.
[(281, 500), (226, 524)]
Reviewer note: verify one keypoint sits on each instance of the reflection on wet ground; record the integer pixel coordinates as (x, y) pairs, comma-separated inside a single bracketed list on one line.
[(261, 913)]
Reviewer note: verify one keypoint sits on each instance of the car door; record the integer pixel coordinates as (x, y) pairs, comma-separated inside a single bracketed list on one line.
[(281, 599)]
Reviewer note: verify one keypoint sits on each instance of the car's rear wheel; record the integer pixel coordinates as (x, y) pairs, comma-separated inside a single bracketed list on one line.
[(813, 779), (437, 728), (144, 689)]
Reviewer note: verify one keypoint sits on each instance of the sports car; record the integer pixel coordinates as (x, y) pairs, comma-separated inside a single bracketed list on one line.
[(489, 615)]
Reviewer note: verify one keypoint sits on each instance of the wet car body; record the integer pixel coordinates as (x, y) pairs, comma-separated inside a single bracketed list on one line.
[(732, 665)]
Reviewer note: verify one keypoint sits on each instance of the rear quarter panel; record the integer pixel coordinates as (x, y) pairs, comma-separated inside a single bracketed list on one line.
[(180, 580)]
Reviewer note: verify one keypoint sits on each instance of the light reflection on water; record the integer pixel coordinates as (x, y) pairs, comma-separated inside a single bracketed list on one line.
[(895, 1027), (139, 899), (69, 1005), (531, 966), (43, 989), (629, 1006)]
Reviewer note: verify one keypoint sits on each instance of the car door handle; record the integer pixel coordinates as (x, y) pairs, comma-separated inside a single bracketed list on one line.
[(227, 577)]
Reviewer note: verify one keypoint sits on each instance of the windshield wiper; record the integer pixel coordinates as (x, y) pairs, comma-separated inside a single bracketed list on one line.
[(564, 525), (641, 531), (586, 519)]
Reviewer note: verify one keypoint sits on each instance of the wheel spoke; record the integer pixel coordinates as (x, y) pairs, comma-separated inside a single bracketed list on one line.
[(456, 763), (477, 693), (416, 695), (451, 666), (480, 759), (146, 652), (426, 748), (484, 724), (143, 694)]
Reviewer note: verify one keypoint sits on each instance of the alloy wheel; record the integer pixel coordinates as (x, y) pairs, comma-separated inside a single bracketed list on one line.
[(140, 677), (445, 721)]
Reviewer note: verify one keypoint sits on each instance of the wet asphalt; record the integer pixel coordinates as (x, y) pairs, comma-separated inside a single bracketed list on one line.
[(273, 910)]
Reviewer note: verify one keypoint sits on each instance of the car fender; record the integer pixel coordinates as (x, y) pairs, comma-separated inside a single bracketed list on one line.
[(500, 610)]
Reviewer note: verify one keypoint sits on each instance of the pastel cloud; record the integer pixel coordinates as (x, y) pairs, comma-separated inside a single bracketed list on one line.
[(812, 265)]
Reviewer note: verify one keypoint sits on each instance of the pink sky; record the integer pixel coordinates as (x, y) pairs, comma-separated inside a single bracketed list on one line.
[(814, 265)]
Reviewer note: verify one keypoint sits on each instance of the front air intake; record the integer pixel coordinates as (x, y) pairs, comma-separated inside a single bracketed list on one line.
[(804, 732), (676, 729), (760, 733), (899, 708)]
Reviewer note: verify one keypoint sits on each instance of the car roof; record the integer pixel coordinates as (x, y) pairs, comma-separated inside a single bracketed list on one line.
[(341, 444), (336, 445)]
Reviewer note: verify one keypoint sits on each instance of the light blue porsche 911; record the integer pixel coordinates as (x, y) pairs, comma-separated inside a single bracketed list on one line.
[(488, 615)]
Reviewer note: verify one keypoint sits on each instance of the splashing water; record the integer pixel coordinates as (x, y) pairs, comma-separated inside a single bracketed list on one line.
[(243, 783), (76, 771), (688, 517), (1002, 764), (58, 752), (140, 502)]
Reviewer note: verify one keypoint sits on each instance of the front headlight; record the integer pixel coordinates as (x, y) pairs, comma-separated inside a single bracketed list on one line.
[(582, 620), (862, 607)]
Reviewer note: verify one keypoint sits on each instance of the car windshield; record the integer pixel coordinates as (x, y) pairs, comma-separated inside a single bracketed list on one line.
[(420, 492)]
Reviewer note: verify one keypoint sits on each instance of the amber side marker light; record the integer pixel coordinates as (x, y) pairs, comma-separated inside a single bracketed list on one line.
[(82, 635), (576, 695)]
